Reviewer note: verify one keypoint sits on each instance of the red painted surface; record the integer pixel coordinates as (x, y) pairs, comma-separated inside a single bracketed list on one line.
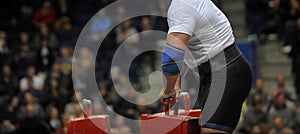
[(98, 124), (161, 123)]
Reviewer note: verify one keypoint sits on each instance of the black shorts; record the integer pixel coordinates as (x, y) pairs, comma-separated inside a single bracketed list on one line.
[(237, 86)]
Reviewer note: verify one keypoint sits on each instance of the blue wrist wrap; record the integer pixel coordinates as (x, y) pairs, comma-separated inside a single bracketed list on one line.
[(172, 60)]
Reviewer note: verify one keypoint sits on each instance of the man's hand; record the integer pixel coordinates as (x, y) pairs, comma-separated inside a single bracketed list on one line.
[(170, 95)]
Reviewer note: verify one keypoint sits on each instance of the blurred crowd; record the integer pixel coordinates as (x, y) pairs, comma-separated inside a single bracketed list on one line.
[(276, 111), (273, 111), (37, 41), (281, 18)]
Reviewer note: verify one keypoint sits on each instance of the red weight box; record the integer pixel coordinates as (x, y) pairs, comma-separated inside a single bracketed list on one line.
[(184, 123), (180, 122), (97, 124)]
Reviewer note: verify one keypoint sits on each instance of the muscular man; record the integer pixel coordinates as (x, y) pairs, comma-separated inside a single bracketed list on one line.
[(201, 28)]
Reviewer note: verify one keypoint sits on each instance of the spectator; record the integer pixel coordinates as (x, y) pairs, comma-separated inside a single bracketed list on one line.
[(256, 130), (120, 14), (37, 81), (280, 127), (32, 124), (30, 100), (53, 120), (45, 56), (100, 24), (293, 12), (254, 115), (63, 29), (281, 87), (54, 73), (120, 126), (58, 87), (45, 15), (63, 130), (65, 59), (39, 95), (8, 84), (23, 41), (8, 127), (64, 8), (120, 88), (53, 96), (78, 113), (4, 49), (282, 109), (70, 107), (98, 108), (45, 33), (8, 117), (10, 110), (23, 60), (259, 91), (105, 94), (125, 31)]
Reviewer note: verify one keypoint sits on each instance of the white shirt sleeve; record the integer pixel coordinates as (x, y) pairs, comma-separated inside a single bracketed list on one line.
[(182, 18)]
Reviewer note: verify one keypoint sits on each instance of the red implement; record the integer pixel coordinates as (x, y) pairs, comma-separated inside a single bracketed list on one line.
[(181, 122), (98, 124)]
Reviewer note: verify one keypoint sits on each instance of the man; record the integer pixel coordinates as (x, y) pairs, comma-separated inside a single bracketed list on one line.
[(198, 25)]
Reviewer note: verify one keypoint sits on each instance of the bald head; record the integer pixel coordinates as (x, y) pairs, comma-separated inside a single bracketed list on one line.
[(280, 80)]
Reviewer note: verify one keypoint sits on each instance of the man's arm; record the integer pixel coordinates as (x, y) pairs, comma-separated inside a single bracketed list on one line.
[(177, 41)]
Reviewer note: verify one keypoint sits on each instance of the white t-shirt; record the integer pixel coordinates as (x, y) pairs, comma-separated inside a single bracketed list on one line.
[(208, 27)]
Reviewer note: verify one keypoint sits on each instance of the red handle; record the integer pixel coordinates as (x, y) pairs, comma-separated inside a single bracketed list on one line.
[(167, 107)]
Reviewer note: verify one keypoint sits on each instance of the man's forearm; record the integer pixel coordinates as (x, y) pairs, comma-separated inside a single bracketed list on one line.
[(170, 82)]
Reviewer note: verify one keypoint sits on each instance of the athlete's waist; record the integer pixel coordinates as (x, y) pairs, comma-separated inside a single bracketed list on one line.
[(225, 57)]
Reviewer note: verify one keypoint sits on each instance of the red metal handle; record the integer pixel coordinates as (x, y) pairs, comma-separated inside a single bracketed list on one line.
[(167, 107)]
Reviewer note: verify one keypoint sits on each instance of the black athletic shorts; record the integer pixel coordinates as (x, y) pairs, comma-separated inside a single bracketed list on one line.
[(237, 86)]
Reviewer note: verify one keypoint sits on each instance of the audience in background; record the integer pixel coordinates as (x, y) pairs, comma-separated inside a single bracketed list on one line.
[(4, 48), (36, 87), (280, 127), (8, 116), (45, 34), (23, 41), (53, 120), (284, 109), (282, 87), (255, 115), (32, 124), (31, 74), (258, 93), (8, 83)]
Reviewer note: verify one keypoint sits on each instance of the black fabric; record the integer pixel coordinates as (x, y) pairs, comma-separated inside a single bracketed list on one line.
[(238, 85)]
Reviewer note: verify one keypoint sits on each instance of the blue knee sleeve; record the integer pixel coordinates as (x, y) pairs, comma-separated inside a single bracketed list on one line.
[(172, 60)]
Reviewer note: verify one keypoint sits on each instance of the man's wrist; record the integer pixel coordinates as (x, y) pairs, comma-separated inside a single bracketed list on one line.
[(169, 91)]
